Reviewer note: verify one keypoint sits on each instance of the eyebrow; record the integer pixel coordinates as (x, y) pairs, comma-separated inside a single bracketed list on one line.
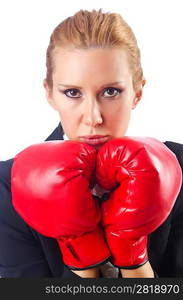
[(111, 83)]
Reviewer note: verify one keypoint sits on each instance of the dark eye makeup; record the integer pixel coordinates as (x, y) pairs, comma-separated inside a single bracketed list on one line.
[(109, 90)]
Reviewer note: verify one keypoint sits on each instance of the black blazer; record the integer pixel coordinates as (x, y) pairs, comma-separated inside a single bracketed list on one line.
[(26, 253)]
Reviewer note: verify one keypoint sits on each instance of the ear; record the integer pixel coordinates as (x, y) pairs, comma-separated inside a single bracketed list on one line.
[(138, 94), (49, 96)]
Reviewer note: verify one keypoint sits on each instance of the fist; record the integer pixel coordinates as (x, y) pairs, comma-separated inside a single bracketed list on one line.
[(144, 179), (50, 185)]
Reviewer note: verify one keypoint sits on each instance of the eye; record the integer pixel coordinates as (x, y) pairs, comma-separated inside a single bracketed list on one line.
[(111, 93), (72, 93)]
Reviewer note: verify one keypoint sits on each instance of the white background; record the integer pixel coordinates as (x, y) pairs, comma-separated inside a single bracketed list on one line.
[(25, 29)]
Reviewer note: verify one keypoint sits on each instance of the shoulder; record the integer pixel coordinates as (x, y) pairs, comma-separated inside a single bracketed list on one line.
[(8, 215), (177, 148), (5, 171), (21, 253), (5, 181), (57, 134)]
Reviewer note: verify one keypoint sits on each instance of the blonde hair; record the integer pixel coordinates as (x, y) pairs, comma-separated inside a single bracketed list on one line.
[(95, 29)]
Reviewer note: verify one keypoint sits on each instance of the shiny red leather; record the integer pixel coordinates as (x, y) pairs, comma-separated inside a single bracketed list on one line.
[(50, 191), (144, 178)]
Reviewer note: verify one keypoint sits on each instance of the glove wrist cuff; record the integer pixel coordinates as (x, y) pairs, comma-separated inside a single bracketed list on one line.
[(127, 253), (86, 251)]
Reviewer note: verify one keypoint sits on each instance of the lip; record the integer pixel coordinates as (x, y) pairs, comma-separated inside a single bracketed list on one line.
[(94, 139), (93, 136)]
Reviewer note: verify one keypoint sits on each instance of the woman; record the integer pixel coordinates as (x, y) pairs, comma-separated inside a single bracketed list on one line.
[(94, 79)]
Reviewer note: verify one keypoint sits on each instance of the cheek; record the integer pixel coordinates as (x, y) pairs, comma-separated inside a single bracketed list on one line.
[(118, 119), (64, 114), (65, 110), (119, 111), (69, 119)]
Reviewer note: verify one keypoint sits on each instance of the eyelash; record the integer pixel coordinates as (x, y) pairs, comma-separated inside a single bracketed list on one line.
[(68, 90)]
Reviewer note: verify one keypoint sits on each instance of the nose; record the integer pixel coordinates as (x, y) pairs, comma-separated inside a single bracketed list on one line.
[(92, 114)]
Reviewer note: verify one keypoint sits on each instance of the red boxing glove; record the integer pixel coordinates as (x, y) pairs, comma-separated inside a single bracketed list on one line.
[(144, 178), (50, 191)]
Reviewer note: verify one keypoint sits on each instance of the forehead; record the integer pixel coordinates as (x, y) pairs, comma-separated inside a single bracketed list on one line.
[(112, 62)]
